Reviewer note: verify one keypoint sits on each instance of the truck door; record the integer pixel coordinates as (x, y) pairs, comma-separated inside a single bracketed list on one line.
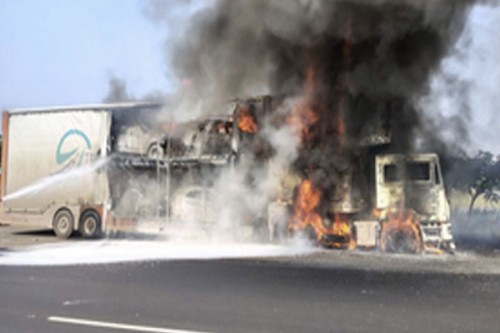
[(425, 190), (419, 185), (389, 184)]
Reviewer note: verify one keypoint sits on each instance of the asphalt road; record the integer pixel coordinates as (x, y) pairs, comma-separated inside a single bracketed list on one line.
[(244, 296)]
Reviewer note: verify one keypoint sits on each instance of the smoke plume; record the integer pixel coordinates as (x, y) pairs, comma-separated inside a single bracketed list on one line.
[(352, 72), (367, 57), (117, 91), (241, 48)]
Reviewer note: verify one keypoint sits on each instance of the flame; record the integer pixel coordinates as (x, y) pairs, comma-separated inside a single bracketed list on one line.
[(378, 213), (341, 230), (246, 122), (401, 233), (305, 214), (301, 120), (303, 116), (338, 235)]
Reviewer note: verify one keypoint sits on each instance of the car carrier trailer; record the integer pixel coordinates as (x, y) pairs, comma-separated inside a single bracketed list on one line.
[(55, 164)]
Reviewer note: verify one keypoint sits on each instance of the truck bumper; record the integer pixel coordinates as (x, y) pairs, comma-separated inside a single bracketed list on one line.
[(437, 235)]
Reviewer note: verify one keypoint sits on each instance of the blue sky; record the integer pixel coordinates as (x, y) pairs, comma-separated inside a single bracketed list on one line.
[(55, 52)]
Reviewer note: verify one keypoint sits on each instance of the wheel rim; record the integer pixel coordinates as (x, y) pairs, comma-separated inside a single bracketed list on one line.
[(89, 225), (63, 224)]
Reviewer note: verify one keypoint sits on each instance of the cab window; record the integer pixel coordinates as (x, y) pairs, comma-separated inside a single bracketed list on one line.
[(390, 173), (418, 171)]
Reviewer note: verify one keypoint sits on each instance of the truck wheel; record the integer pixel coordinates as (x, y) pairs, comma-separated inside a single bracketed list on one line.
[(401, 241), (90, 224), (63, 223), (155, 151)]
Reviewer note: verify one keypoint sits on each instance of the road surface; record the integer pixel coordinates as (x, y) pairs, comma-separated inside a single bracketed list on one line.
[(248, 295)]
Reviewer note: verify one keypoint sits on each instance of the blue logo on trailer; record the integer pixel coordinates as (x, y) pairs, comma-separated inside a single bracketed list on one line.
[(72, 138)]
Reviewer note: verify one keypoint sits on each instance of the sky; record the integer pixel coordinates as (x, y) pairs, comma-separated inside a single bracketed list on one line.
[(59, 52)]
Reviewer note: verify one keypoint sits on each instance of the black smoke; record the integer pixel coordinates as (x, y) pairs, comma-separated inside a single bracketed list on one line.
[(371, 61), (369, 56)]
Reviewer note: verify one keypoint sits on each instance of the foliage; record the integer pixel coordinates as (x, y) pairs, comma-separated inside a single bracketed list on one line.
[(479, 176)]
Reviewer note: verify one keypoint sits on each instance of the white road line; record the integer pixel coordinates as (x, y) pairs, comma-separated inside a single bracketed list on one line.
[(117, 326)]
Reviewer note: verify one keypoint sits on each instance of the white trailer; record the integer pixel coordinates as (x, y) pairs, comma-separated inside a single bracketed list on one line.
[(54, 172)]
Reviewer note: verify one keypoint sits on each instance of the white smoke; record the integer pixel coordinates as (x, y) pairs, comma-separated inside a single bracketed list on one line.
[(464, 92)]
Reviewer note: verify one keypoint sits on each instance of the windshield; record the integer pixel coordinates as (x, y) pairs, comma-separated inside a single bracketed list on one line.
[(418, 171)]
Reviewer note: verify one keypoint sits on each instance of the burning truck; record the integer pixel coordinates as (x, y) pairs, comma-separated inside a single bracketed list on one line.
[(369, 197), (336, 153), (345, 146)]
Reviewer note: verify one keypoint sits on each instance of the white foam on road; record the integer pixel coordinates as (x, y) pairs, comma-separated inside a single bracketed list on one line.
[(115, 251), (117, 326)]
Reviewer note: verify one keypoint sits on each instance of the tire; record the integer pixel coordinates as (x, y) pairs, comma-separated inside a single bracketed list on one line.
[(90, 224), (63, 223), (155, 151), (401, 241)]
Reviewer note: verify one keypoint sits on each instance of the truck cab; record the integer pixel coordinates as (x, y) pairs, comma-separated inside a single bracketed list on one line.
[(414, 182)]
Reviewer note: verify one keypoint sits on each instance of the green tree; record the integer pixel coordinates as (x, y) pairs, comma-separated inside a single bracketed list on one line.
[(478, 176), (485, 179)]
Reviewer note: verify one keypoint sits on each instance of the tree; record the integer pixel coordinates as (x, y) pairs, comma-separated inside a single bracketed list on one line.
[(479, 176), (485, 179)]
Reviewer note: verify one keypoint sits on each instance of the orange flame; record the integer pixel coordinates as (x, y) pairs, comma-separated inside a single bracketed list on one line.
[(303, 116), (301, 119), (341, 230), (305, 214), (246, 122), (400, 233), (306, 218)]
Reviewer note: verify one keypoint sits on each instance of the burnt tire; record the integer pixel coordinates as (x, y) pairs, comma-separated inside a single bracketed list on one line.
[(63, 223), (90, 224), (401, 241)]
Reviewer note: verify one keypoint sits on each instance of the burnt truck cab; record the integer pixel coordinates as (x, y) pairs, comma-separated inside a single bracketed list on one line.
[(414, 183)]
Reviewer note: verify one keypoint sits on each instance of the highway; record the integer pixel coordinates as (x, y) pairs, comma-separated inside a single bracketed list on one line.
[(292, 294)]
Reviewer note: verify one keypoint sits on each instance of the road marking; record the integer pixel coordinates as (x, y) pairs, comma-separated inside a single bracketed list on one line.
[(117, 326)]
